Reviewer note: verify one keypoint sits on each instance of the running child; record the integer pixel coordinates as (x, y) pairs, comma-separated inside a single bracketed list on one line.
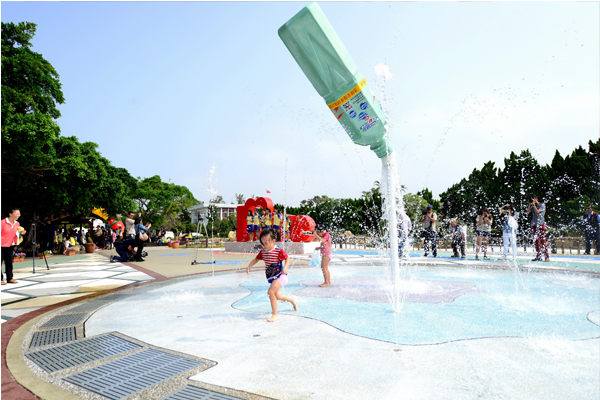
[(325, 248), (273, 257)]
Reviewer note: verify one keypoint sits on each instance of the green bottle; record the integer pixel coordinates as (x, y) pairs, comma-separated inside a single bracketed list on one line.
[(325, 61)]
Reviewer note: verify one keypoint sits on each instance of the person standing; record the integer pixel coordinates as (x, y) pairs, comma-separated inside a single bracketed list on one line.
[(484, 232), (268, 219), (277, 223), (325, 238), (10, 238), (591, 226), (429, 230), (49, 235), (139, 229), (130, 226), (250, 226), (538, 227), (404, 228), (509, 229), (458, 239), (257, 224)]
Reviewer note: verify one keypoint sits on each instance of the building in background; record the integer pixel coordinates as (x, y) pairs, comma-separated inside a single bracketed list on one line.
[(200, 211)]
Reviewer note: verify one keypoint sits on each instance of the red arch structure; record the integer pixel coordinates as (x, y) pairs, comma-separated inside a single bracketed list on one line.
[(300, 229), (242, 213)]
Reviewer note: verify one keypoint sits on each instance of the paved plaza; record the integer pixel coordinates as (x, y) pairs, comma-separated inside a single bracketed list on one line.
[(170, 329)]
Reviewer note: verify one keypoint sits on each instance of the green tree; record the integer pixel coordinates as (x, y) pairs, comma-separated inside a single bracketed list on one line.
[(43, 172), (30, 92), (218, 199), (239, 198), (162, 203)]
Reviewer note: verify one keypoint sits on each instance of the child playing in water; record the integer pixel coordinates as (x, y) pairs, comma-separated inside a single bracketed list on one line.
[(325, 248), (273, 257)]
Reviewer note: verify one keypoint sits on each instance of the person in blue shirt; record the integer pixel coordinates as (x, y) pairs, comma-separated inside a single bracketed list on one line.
[(129, 244), (591, 224), (139, 227)]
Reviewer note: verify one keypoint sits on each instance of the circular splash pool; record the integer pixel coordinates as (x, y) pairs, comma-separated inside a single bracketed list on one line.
[(460, 333), (445, 304)]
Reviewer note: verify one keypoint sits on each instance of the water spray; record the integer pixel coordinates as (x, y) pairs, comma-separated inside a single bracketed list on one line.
[(327, 64)]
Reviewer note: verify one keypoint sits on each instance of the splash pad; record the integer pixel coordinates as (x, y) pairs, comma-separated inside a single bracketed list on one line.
[(425, 330), (461, 333)]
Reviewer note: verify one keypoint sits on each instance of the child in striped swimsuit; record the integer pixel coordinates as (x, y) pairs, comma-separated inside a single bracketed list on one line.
[(273, 257)]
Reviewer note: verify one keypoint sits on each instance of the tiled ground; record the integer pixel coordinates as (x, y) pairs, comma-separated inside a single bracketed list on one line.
[(64, 281)]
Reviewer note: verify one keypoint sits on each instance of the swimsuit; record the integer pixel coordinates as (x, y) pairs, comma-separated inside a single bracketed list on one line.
[(273, 271), (274, 261)]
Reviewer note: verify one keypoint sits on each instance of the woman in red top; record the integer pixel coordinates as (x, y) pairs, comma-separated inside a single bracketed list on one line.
[(9, 228), (273, 257)]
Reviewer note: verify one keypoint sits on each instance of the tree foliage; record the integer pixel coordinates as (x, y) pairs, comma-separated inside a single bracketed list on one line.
[(43, 172), (565, 186), (161, 203)]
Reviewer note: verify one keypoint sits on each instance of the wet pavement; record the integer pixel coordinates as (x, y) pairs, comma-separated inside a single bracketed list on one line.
[(211, 330)]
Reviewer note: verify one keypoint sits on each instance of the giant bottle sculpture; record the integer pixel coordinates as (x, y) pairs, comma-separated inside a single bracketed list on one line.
[(327, 64)]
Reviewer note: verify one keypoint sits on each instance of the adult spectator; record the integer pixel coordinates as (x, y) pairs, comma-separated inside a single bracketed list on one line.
[(139, 229), (108, 238), (129, 226), (458, 239), (404, 228), (49, 235), (100, 236), (509, 229), (10, 226), (122, 249), (591, 225), (538, 227), (483, 231), (97, 235), (429, 230)]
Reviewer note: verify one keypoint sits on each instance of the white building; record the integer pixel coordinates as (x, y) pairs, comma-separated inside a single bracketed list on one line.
[(200, 211)]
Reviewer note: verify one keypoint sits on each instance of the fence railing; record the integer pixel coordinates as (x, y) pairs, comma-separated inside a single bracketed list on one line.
[(561, 245)]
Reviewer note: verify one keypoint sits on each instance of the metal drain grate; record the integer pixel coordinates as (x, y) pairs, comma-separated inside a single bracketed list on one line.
[(54, 336), (64, 320), (112, 297), (80, 352), (85, 307), (131, 374), (196, 393)]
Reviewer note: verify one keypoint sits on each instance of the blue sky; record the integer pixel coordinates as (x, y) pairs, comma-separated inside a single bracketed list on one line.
[(172, 88)]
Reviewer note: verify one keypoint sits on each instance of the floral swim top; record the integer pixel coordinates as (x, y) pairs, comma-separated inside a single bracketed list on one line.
[(326, 245)]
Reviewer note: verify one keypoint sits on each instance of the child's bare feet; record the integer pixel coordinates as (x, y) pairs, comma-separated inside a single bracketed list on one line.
[(325, 284), (273, 318), (293, 301)]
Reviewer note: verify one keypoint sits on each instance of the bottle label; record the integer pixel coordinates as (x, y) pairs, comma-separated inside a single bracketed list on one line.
[(360, 115), (348, 95)]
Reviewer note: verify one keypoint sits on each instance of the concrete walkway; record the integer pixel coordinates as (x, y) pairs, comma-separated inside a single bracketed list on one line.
[(237, 354)]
